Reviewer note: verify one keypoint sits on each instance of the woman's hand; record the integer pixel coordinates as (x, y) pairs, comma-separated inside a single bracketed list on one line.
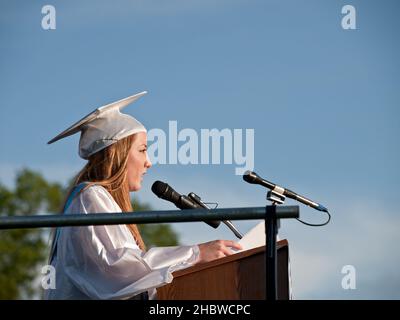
[(216, 249)]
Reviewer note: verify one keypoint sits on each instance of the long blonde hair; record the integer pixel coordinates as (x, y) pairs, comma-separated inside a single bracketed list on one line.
[(108, 168)]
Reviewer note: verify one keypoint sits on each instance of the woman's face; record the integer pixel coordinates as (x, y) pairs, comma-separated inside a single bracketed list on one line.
[(138, 161)]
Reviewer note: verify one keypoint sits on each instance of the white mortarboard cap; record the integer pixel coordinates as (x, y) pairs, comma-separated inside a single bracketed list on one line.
[(103, 127)]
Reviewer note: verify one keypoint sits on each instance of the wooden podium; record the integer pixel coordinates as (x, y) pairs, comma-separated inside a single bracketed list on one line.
[(240, 276)]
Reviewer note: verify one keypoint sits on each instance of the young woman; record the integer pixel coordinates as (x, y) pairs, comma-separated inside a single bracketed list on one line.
[(111, 261)]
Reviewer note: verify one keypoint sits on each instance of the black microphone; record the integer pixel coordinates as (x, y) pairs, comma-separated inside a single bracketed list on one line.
[(254, 178), (164, 191)]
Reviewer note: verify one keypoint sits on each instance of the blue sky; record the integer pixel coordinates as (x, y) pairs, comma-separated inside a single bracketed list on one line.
[(323, 102)]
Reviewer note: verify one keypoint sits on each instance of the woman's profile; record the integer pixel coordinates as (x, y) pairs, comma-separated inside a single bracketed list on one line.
[(111, 261)]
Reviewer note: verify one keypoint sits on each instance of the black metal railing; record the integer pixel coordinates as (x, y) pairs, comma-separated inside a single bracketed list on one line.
[(271, 215), (60, 220)]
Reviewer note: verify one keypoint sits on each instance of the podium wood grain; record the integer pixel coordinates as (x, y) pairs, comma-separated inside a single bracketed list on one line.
[(236, 277)]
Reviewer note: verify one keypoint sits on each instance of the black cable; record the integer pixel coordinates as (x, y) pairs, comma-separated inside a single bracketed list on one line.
[(216, 204), (303, 222), (316, 225)]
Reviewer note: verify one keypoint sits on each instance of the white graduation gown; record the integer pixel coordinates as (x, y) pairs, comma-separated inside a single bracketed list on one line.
[(104, 262)]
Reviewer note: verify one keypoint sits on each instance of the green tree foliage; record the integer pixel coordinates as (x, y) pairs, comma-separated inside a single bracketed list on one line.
[(24, 251)]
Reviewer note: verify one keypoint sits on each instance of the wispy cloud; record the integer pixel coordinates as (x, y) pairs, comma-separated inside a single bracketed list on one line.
[(365, 237)]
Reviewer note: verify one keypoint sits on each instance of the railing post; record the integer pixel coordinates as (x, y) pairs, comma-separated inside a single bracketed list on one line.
[(273, 214), (271, 229)]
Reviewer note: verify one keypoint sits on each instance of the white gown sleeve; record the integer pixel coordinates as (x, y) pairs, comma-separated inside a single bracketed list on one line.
[(104, 262)]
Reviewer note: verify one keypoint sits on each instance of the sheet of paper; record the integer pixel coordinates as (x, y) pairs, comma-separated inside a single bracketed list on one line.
[(254, 238)]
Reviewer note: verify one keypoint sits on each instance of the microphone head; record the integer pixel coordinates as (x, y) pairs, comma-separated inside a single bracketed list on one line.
[(165, 191), (251, 177), (159, 188)]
